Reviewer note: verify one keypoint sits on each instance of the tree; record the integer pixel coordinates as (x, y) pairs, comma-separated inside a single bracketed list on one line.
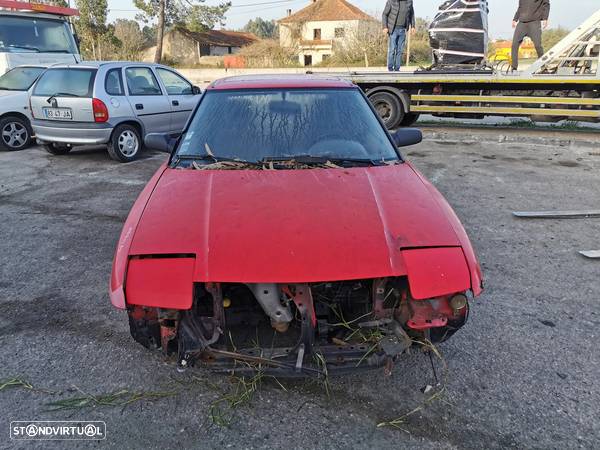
[(553, 36), (61, 3), (179, 12), (131, 39), (264, 29), (204, 18), (91, 25)]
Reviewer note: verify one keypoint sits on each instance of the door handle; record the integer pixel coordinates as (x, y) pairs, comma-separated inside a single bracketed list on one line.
[(139, 106), (175, 102)]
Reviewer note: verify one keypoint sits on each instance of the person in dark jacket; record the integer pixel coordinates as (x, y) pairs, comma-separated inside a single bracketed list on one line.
[(529, 20), (398, 18)]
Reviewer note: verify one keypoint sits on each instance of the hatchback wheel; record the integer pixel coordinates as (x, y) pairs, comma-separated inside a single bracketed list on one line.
[(14, 133), (125, 143), (56, 149)]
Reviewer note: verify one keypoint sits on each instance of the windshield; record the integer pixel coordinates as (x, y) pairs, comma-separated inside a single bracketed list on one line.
[(20, 79), (26, 34), (66, 82), (259, 125)]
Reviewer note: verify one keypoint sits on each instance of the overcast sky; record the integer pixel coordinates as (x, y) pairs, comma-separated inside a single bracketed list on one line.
[(567, 13)]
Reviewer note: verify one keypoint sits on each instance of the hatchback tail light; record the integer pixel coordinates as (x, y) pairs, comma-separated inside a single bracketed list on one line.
[(100, 110)]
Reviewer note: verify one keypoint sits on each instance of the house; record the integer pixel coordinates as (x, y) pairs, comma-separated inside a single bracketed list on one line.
[(315, 29), (190, 47)]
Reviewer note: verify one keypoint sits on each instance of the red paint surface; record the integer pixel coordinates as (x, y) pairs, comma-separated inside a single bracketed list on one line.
[(452, 218), (119, 268), (280, 82), (293, 226), (38, 7), (433, 272), (160, 282)]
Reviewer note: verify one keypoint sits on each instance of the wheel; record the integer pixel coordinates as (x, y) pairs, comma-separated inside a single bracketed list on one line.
[(56, 149), (125, 143), (409, 119), (15, 133), (389, 107)]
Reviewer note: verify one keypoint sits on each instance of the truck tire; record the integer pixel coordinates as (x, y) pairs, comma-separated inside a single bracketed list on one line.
[(389, 107), (125, 143), (15, 133), (56, 149), (409, 119)]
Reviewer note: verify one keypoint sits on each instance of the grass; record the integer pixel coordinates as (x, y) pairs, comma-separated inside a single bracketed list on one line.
[(122, 398), (15, 383), (566, 125), (437, 394)]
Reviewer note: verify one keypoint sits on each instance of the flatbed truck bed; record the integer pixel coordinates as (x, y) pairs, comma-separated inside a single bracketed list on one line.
[(563, 84)]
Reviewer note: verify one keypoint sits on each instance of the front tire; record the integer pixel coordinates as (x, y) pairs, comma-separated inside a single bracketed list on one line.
[(15, 133), (409, 119), (56, 149), (389, 107), (125, 143)]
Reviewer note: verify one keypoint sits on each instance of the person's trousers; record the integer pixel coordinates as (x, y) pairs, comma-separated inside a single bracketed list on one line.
[(396, 48), (533, 30)]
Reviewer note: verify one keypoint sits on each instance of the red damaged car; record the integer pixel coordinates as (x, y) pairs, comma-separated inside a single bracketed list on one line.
[(287, 233)]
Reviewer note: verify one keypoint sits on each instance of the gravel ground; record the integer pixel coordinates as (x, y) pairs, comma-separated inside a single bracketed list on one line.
[(523, 373)]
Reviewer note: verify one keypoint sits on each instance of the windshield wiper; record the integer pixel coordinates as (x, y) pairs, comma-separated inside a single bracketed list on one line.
[(320, 160), (209, 158), (55, 51), (23, 47), (59, 94)]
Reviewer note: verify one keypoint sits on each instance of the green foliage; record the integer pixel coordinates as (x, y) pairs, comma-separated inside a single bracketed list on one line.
[(61, 3), (131, 39), (552, 36), (204, 18), (264, 29), (184, 12), (92, 28)]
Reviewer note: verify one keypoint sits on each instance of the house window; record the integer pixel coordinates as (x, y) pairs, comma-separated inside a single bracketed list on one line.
[(326, 57), (340, 32), (317, 34), (308, 60)]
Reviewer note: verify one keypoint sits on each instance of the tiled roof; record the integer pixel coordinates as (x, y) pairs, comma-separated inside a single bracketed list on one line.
[(220, 38), (327, 10)]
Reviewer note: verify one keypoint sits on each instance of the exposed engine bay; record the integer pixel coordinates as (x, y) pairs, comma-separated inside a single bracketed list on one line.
[(299, 329)]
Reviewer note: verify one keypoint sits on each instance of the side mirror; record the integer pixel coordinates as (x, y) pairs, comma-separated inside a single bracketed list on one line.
[(196, 90), (162, 142), (407, 136)]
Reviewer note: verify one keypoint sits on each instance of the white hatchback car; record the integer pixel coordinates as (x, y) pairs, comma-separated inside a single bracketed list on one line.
[(15, 117), (112, 103)]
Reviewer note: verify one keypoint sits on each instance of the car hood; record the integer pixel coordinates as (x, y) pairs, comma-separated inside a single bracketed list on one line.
[(292, 225)]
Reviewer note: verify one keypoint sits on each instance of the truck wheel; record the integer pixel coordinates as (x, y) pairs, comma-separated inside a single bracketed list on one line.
[(56, 149), (409, 119), (15, 133), (389, 107), (125, 143)]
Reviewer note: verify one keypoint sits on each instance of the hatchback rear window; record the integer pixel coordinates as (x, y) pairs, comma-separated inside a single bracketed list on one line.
[(66, 83)]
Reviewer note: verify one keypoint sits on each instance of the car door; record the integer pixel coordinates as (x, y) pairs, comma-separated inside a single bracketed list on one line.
[(147, 99), (181, 97)]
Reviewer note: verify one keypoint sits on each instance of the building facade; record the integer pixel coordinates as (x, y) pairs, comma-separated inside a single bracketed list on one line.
[(314, 30)]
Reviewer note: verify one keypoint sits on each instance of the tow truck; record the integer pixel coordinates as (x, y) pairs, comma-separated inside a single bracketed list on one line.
[(563, 84), (35, 34)]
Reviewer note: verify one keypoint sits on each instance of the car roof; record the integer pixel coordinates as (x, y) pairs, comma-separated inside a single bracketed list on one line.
[(280, 81), (98, 64)]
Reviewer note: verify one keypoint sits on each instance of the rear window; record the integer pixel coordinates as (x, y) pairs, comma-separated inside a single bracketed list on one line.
[(66, 83), (20, 79)]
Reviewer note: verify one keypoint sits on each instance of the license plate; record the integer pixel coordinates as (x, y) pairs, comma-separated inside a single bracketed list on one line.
[(58, 113)]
